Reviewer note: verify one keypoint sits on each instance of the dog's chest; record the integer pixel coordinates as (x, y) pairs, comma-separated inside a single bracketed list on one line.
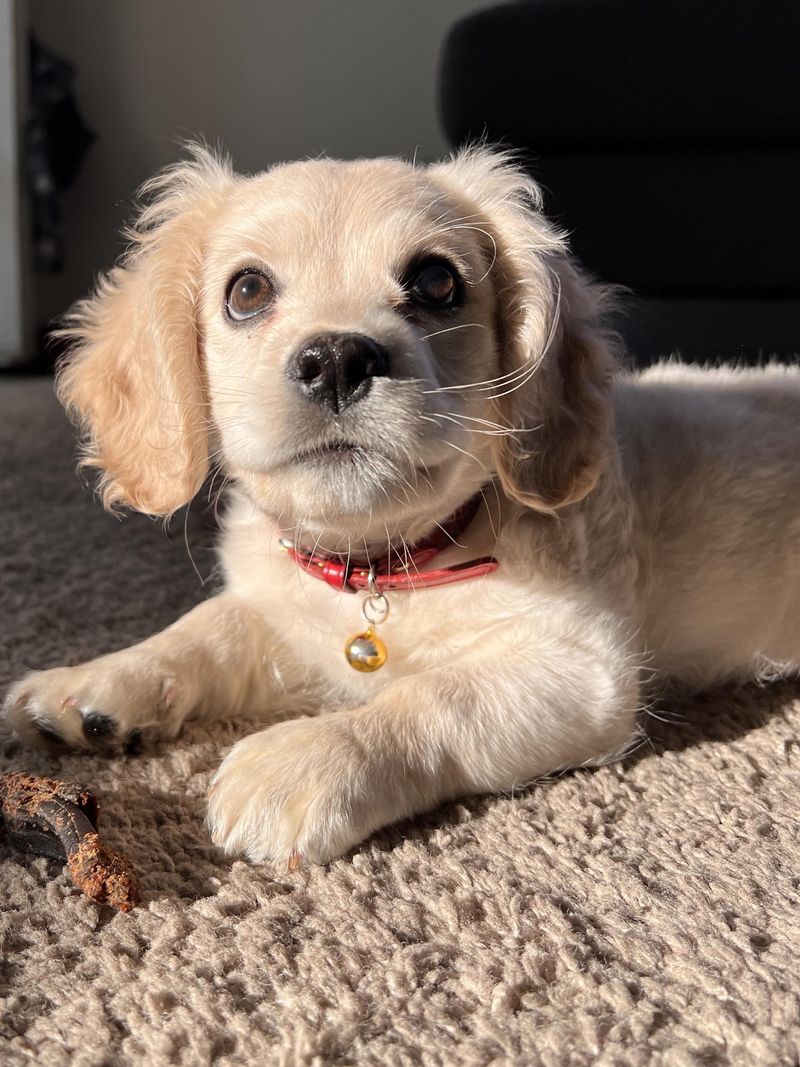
[(314, 623)]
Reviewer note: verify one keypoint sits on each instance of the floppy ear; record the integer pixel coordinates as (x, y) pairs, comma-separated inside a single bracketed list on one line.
[(555, 358), (133, 377)]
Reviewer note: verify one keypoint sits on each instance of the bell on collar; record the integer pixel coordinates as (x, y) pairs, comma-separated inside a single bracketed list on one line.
[(366, 652)]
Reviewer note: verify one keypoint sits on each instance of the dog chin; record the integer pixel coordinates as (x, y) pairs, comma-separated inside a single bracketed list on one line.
[(344, 487)]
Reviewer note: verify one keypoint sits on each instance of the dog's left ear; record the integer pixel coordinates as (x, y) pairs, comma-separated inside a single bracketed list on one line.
[(555, 358)]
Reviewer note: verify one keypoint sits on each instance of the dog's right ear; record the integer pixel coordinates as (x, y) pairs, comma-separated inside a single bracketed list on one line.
[(133, 377), (556, 357)]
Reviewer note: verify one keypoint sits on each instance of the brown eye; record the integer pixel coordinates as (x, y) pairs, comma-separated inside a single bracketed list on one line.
[(249, 294), (435, 284)]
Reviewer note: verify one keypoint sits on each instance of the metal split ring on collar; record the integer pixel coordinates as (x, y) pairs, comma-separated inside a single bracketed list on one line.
[(375, 607)]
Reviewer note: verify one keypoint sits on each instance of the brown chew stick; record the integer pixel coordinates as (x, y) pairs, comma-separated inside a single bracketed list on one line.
[(58, 819)]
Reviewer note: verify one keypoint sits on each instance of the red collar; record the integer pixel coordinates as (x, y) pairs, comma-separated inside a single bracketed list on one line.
[(398, 570)]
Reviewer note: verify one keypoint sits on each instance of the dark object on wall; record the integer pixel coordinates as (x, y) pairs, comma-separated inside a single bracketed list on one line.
[(56, 142), (667, 138)]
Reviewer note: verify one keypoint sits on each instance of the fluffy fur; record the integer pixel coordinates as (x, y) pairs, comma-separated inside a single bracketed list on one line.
[(646, 525)]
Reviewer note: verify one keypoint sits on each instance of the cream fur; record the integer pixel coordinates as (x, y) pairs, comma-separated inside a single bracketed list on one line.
[(646, 525)]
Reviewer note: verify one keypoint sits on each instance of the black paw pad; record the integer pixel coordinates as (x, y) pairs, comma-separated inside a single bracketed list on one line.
[(134, 746), (96, 726), (48, 735)]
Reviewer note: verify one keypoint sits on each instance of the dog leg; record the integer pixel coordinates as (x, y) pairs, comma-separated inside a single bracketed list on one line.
[(213, 662), (525, 706)]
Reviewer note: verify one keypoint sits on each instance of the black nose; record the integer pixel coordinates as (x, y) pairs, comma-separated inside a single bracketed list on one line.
[(336, 369)]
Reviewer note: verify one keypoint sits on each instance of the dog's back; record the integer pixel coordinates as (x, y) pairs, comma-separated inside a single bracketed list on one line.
[(712, 458)]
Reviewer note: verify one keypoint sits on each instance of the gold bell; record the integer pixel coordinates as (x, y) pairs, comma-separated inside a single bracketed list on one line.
[(366, 652)]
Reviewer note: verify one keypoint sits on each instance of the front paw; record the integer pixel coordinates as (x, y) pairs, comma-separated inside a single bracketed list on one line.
[(305, 789), (108, 704)]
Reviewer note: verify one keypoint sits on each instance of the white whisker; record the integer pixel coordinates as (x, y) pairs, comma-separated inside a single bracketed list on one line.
[(461, 326), (464, 452)]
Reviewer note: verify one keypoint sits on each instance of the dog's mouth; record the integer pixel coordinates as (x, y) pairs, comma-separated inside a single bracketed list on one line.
[(330, 451), (344, 454), (344, 483)]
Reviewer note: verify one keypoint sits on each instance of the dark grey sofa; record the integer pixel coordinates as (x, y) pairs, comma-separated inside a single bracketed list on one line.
[(667, 136)]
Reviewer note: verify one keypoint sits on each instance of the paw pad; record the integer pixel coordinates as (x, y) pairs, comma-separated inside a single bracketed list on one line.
[(48, 735), (96, 726), (134, 745)]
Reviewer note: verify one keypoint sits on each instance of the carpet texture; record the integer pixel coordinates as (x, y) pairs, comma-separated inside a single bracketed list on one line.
[(642, 913)]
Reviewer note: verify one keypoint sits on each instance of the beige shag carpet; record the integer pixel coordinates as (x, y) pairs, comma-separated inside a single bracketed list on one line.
[(642, 913)]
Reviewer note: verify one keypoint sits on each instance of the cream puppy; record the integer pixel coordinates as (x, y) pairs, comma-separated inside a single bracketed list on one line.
[(361, 349)]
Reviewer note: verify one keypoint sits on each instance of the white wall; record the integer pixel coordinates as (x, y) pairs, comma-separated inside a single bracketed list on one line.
[(270, 79)]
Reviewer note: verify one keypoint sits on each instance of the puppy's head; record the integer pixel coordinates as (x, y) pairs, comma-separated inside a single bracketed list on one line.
[(354, 343)]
